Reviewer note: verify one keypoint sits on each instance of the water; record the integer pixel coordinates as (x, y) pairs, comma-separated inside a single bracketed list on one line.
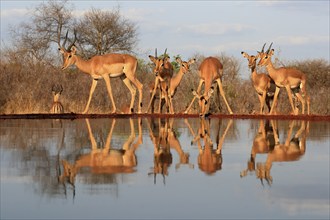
[(164, 168)]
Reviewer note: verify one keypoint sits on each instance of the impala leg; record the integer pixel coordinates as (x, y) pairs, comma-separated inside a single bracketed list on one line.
[(288, 89), (171, 104), (223, 95), (277, 90), (153, 94), (133, 93), (94, 83), (198, 91), (139, 87), (107, 83), (262, 103), (302, 101), (91, 136)]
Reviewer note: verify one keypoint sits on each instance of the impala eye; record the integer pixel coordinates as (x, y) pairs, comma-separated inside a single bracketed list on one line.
[(70, 56)]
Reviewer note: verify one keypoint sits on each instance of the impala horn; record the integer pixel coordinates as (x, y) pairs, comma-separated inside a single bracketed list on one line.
[(66, 37), (165, 54), (156, 53), (263, 47), (270, 46), (74, 40)]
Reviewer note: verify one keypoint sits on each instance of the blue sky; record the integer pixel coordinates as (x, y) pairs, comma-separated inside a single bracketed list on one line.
[(299, 29)]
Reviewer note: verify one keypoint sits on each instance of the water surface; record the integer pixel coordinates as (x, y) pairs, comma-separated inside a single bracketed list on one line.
[(164, 168)]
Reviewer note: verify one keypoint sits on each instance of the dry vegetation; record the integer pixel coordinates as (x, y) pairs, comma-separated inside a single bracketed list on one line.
[(26, 88)]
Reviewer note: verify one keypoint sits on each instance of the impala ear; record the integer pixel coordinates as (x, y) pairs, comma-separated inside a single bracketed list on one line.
[(152, 58), (61, 50), (73, 50), (271, 52), (178, 60), (167, 59), (244, 54), (191, 61)]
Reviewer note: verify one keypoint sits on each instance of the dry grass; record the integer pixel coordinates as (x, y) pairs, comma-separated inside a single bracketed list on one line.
[(26, 88)]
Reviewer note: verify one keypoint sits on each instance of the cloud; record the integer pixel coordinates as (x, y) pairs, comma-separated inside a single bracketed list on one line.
[(302, 40), (15, 12), (213, 29)]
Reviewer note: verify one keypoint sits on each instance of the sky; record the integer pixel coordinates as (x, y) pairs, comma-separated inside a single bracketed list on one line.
[(299, 30)]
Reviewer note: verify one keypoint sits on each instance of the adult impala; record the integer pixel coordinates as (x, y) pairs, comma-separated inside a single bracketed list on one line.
[(105, 66), (163, 71), (175, 82), (291, 79), (210, 70), (262, 83)]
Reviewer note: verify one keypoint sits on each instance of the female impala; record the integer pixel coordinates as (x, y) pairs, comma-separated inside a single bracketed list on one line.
[(175, 82), (210, 71), (262, 83), (292, 80), (105, 66)]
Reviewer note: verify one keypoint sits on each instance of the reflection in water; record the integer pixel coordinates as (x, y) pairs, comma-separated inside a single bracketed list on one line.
[(164, 138), (209, 159), (267, 142), (104, 159), (52, 160)]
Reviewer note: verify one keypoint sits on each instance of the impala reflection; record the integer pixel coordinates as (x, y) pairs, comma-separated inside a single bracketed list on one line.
[(209, 159), (267, 142), (105, 159)]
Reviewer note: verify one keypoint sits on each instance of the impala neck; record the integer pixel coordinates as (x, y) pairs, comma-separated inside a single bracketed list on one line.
[(83, 65), (270, 69), (254, 73), (175, 81)]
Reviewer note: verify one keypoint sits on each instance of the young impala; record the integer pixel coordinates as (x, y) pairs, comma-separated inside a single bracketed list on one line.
[(210, 70), (291, 79), (105, 67), (57, 107), (262, 83)]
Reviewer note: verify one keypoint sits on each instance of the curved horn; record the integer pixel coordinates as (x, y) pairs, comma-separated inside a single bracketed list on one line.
[(66, 37), (165, 53), (156, 53), (262, 50), (74, 40), (269, 48)]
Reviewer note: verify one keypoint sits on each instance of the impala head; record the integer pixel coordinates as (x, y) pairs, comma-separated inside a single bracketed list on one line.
[(185, 65), (57, 91), (265, 57), (68, 53), (159, 62), (251, 59), (203, 101)]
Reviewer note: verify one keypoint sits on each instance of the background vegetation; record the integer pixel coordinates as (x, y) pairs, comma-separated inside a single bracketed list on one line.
[(30, 66)]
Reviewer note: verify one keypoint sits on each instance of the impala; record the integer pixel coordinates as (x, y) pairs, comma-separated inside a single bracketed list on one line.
[(291, 79), (104, 159), (262, 83), (209, 159), (210, 70), (163, 71), (105, 67), (175, 82), (57, 107)]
